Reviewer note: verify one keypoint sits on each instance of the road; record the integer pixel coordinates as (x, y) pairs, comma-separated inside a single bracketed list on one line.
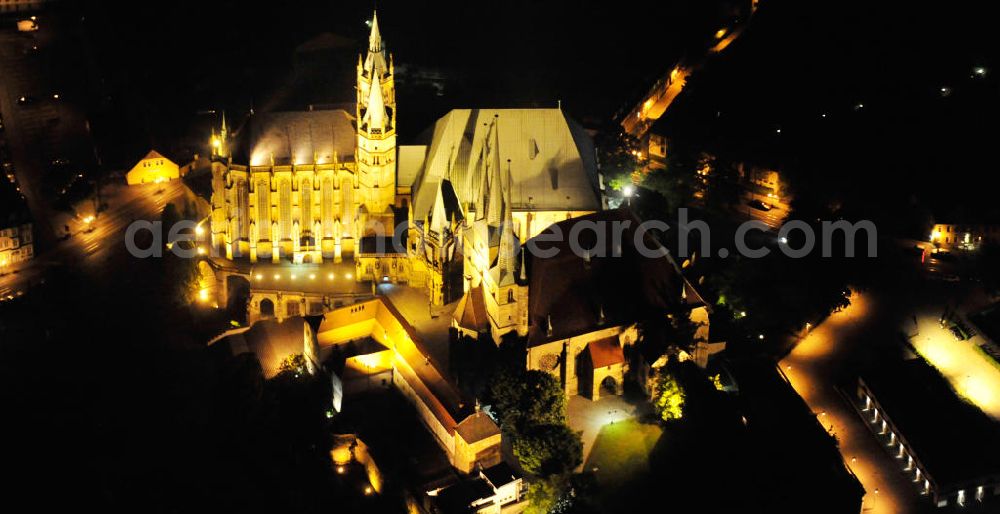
[(47, 66), (773, 218), (90, 248), (814, 368), (830, 351)]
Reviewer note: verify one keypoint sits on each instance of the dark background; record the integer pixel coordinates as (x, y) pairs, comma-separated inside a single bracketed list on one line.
[(107, 397), (164, 64)]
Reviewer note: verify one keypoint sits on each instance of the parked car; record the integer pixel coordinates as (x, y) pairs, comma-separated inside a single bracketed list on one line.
[(759, 205)]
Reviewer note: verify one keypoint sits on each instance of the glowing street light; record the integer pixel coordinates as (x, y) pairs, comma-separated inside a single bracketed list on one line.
[(629, 192), (260, 276), (199, 230)]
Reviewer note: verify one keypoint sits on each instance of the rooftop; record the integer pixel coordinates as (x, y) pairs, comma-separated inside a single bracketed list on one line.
[(952, 438), (571, 292), (298, 137), (605, 352), (471, 311), (551, 158), (272, 342), (477, 427)]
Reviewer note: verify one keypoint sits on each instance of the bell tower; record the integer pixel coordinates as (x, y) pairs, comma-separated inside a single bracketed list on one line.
[(376, 125)]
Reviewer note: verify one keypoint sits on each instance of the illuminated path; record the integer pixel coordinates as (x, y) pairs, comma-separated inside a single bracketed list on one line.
[(813, 368), (969, 371)]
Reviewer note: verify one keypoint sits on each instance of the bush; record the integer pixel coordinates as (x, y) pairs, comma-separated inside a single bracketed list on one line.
[(547, 450)]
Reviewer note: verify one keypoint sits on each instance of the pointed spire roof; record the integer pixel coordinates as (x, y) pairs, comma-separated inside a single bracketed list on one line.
[(375, 113), (508, 239), (494, 207), (375, 38), (439, 217), (225, 129), (375, 62), (524, 269)]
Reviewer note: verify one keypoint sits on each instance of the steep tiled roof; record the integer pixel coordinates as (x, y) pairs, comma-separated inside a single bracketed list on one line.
[(272, 342), (605, 352), (296, 137), (471, 311), (572, 292), (477, 427), (551, 159)]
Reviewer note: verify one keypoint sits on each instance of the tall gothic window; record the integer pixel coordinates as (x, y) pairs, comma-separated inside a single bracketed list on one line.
[(305, 204), (347, 205), (285, 208), (263, 204), (243, 208), (327, 207)]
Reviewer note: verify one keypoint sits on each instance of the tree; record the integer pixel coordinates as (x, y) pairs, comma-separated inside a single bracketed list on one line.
[(524, 399), (181, 273), (618, 155), (547, 450), (668, 397), (293, 364), (544, 495)]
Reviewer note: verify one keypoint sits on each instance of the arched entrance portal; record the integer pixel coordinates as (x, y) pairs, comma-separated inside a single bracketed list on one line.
[(238, 288), (266, 308), (609, 386)]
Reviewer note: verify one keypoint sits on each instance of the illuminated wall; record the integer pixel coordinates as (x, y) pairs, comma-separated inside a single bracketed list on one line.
[(154, 168)]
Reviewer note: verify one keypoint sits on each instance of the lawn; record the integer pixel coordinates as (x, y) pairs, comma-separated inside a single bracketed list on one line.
[(621, 454)]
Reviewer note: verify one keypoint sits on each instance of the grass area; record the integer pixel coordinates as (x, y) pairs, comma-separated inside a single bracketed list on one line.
[(621, 453)]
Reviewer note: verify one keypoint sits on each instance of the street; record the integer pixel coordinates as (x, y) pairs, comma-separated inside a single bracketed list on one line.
[(828, 355), (91, 245), (45, 127)]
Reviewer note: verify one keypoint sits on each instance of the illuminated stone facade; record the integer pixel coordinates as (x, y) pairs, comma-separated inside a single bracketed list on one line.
[(153, 169), (315, 181), (16, 245), (320, 185)]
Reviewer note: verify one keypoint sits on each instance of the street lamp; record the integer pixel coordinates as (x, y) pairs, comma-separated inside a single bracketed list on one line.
[(628, 191)]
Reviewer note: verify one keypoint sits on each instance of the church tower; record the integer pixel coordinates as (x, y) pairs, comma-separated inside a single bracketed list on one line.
[(220, 141), (376, 125)]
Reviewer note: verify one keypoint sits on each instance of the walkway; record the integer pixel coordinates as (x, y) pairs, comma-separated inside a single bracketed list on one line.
[(814, 368), (590, 416)]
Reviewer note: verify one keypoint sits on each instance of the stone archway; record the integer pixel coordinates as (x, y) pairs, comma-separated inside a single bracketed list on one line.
[(238, 292), (609, 386), (207, 283), (266, 308)]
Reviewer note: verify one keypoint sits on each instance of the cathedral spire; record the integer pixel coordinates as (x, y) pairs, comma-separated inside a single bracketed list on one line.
[(375, 38), (375, 114), (508, 237), (494, 207), (524, 269)]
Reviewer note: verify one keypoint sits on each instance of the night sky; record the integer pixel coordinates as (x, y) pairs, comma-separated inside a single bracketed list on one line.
[(797, 61)]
